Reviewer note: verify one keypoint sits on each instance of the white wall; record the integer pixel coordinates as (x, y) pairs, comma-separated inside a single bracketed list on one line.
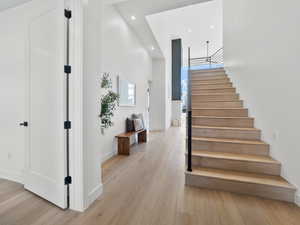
[(91, 123), (122, 54), (262, 52), (158, 100)]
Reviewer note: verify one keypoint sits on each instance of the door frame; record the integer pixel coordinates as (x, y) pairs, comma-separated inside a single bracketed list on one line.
[(76, 105)]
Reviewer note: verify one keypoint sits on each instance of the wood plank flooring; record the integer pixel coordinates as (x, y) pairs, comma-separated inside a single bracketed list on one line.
[(148, 188)]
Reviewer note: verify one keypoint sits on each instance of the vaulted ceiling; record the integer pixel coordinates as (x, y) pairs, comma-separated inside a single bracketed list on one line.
[(194, 24), (140, 9)]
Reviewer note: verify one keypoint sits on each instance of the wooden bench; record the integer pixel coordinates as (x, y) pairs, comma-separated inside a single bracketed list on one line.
[(124, 141)]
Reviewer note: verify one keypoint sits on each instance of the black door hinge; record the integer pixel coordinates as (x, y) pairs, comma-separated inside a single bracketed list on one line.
[(67, 124), (68, 14), (25, 124), (68, 69), (68, 180)]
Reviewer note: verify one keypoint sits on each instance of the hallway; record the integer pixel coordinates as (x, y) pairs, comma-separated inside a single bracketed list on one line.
[(148, 188)]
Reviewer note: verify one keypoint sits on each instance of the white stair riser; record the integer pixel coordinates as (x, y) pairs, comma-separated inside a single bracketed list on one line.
[(226, 133), (221, 112), (236, 165), (265, 191), (223, 122), (240, 148)]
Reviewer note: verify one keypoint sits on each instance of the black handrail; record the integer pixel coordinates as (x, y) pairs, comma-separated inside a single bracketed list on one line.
[(216, 58), (189, 115)]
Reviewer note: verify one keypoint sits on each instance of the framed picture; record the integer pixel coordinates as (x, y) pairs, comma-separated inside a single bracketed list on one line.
[(127, 93)]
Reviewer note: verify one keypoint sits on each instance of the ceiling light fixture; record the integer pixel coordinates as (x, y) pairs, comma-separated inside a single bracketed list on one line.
[(189, 30), (152, 48), (212, 27), (133, 18)]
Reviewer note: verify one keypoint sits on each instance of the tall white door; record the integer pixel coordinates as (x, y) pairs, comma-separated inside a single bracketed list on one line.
[(46, 155)]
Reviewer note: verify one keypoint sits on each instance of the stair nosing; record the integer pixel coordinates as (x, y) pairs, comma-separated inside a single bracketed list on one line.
[(193, 108), (199, 101), (227, 140), (206, 88), (289, 186), (214, 94), (228, 82), (230, 156), (223, 117), (226, 128)]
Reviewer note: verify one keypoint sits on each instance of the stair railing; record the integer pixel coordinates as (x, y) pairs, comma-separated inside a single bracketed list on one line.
[(189, 114), (214, 59)]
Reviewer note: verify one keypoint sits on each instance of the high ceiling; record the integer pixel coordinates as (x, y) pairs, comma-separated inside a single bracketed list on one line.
[(193, 24), (142, 8)]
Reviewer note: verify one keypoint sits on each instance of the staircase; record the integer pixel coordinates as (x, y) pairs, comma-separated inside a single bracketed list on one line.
[(227, 151)]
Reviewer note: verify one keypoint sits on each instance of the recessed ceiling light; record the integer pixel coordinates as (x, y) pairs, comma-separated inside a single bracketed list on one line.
[(152, 48), (189, 30), (212, 27), (133, 18)]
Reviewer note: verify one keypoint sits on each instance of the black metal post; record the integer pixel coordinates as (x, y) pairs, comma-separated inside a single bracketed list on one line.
[(189, 115)]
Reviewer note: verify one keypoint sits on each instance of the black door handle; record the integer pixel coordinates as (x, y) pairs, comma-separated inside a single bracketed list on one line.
[(25, 124)]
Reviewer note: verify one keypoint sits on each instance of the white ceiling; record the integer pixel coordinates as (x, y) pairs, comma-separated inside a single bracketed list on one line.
[(5, 4), (175, 21), (142, 8), (193, 24)]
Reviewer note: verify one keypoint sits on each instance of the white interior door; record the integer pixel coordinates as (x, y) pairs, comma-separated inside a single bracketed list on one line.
[(46, 156)]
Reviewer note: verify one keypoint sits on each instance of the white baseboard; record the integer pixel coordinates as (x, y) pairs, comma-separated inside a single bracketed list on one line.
[(108, 156), (297, 200), (94, 195), (156, 130), (12, 176)]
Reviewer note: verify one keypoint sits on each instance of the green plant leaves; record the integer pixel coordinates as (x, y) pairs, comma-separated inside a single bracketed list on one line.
[(109, 102)]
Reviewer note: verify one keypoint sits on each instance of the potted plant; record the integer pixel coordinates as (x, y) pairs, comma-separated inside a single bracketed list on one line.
[(109, 102)]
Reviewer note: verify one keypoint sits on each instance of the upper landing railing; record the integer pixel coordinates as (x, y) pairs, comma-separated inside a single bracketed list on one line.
[(210, 61)]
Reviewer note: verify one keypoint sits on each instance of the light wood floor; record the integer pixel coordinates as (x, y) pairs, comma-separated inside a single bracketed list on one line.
[(148, 188)]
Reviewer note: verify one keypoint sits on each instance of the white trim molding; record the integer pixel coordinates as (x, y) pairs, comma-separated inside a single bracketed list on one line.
[(76, 114), (108, 156), (297, 200), (12, 176), (94, 195)]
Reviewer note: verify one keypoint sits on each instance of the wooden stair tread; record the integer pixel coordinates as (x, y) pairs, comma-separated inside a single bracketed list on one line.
[(235, 141), (199, 101), (221, 69), (235, 156), (253, 178), (195, 108), (226, 128), (213, 94), (222, 117), (216, 88), (198, 83)]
